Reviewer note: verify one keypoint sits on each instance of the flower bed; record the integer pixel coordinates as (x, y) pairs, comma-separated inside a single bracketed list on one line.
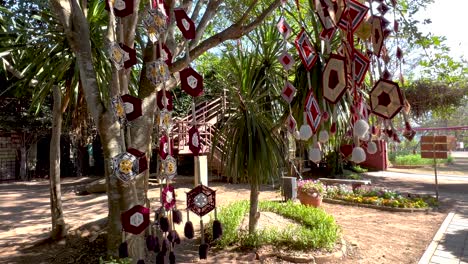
[(380, 197)]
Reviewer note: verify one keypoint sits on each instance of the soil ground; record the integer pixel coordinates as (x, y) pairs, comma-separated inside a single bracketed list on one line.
[(373, 236)]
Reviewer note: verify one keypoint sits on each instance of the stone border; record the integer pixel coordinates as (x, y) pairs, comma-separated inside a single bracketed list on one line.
[(337, 255), (373, 206)]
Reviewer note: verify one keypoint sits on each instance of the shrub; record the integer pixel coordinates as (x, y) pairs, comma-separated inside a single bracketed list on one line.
[(316, 229), (415, 159)]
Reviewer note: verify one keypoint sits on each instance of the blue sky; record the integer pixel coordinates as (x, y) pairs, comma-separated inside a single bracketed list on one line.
[(449, 19)]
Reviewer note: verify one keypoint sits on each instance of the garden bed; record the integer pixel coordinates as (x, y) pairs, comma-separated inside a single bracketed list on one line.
[(380, 198)]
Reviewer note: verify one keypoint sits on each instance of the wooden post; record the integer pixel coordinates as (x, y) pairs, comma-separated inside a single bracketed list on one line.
[(435, 172), (434, 147)]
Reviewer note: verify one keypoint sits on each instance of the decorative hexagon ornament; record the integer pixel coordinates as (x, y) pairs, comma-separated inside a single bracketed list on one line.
[(327, 34), (157, 71), (288, 92), (122, 8), (164, 100), (325, 13), (118, 56), (125, 166), (191, 82), (132, 59), (155, 22), (184, 23), (166, 54), (201, 200), (135, 220), (165, 147), (141, 157), (168, 197), (360, 67), (118, 109), (132, 107), (386, 99), (313, 112), (334, 78), (194, 141), (165, 120), (170, 167), (306, 50)]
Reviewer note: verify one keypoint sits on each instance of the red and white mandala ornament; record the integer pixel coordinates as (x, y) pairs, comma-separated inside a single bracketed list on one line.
[(184, 23), (168, 197), (164, 100), (291, 123), (306, 50), (194, 141), (284, 28), (288, 92), (135, 220), (132, 107), (286, 60), (191, 82), (313, 112)]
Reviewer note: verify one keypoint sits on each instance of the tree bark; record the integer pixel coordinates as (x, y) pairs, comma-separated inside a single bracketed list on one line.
[(58, 222), (253, 213), (23, 161)]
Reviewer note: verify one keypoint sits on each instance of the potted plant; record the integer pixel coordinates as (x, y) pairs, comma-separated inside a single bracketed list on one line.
[(310, 192)]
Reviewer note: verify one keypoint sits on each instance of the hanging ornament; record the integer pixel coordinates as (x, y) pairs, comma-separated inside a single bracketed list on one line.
[(157, 72), (125, 167), (284, 28), (168, 197), (315, 155), (291, 124), (118, 56), (132, 59), (122, 8), (286, 60), (141, 158), (194, 141), (334, 78), (306, 50), (312, 111), (371, 147), (288, 92), (164, 100), (165, 146), (377, 37), (132, 107), (386, 99), (323, 136), (184, 23), (191, 82), (135, 220), (353, 15), (165, 120), (360, 67), (166, 54), (361, 128), (358, 155), (201, 200), (155, 22), (118, 109), (170, 167)]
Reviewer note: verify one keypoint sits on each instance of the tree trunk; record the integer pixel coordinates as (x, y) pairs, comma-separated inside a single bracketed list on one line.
[(23, 161), (58, 223), (253, 214)]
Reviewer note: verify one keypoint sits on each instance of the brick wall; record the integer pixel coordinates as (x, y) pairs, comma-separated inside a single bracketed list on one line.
[(8, 149)]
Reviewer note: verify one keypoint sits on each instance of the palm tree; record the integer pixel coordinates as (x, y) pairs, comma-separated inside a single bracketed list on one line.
[(251, 144)]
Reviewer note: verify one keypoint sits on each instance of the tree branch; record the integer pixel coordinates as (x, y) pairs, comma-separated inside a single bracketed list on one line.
[(235, 31), (211, 10), (17, 73)]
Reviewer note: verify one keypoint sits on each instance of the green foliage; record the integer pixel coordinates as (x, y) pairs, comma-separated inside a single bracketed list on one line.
[(316, 228), (415, 159), (251, 145), (111, 260)]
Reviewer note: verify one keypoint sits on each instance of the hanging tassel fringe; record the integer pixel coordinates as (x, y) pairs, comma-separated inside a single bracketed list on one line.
[(176, 216), (217, 229), (172, 258), (150, 242), (157, 245), (165, 246), (123, 250), (173, 237), (141, 261), (164, 224), (203, 251), (188, 230), (160, 258)]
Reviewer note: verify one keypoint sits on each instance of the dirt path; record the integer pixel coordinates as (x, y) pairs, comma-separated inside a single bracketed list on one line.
[(376, 236)]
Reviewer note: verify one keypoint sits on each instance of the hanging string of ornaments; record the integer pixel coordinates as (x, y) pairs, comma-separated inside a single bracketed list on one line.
[(161, 234), (362, 35)]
